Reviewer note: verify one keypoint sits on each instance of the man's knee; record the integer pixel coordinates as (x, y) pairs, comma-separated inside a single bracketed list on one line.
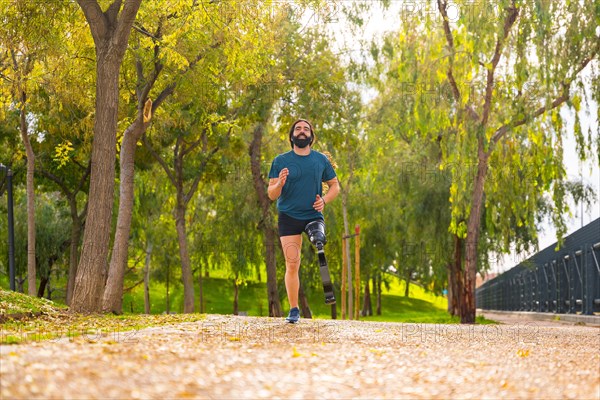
[(292, 267)]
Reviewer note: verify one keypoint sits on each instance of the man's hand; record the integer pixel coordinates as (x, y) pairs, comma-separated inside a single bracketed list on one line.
[(319, 204), (283, 174)]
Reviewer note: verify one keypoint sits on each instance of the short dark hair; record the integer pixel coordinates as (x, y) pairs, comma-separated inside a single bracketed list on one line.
[(312, 133)]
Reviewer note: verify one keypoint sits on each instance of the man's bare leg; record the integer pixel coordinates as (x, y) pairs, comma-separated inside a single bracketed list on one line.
[(292, 246)]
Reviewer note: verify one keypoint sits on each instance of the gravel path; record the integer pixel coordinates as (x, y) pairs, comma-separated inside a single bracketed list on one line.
[(250, 357)]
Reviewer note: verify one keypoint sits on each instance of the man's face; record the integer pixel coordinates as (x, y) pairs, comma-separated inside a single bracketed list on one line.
[(302, 130)]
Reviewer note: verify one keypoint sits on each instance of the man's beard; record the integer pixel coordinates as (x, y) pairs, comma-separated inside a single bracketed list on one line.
[(301, 142)]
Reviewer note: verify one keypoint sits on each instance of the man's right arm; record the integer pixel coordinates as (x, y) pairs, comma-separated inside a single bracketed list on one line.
[(274, 190), (276, 184)]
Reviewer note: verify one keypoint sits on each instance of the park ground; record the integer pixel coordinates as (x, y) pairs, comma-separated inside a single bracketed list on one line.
[(219, 356)]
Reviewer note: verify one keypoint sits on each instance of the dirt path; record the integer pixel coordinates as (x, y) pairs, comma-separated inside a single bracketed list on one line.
[(249, 357)]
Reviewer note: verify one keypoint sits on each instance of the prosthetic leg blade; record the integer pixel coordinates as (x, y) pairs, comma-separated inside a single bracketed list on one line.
[(327, 285)]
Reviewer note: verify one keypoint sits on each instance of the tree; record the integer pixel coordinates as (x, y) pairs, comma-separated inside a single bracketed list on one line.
[(110, 30), (489, 92)]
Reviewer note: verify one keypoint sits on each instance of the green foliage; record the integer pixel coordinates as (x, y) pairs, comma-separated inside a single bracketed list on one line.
[(52, 234)]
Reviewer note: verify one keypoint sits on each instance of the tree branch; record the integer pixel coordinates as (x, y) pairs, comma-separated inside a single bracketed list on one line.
[(125, 21), (56, 180), (449, 73), (500, 132), (450, 40), (144, 32), (194, 186), (166, 92), (113, 11), (85, 176), (158, 158), (95, 18), (509, 21)]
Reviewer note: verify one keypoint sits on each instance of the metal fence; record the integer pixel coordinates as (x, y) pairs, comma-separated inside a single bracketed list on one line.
[(566, 281)]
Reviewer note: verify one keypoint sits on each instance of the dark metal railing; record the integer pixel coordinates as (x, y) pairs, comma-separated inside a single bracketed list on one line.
[(563, 281)]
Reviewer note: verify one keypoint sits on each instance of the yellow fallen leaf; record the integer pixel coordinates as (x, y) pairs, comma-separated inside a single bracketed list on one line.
[(378, 353), (295, 352), (523, 353), (234, 339)]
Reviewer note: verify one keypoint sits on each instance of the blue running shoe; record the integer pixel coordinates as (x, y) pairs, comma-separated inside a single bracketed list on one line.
[(293, 316)]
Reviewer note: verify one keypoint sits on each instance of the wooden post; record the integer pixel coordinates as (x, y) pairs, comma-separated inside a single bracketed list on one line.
[(357, 271), (344, 277)]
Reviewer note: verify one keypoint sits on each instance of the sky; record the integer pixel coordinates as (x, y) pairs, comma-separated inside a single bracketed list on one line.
[(382, 21)]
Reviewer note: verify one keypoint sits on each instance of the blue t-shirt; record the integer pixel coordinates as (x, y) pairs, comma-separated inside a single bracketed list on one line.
[(303, 182)]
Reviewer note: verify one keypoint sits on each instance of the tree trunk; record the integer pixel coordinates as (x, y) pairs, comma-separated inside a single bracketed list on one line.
[(20, 282), (147, 278), (186, 269), (267, 225), (43, 282), (378, 290), (91, 272), (450, 296), (110, 30), (235, 296), (201, 294), (350, 302), (304, 306), (271, 243), (473, 231), (456, 280), (112, 300), (31, 279), (168, 306), (367, 308), (407, 281), (76, 226)]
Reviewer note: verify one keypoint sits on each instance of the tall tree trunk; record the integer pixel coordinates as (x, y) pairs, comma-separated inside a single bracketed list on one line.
[(110, 30), (112, 300), (31, 279), (473, 231), (304, 306), (147, 278), (186, 268), (267, 225), (350, 302)]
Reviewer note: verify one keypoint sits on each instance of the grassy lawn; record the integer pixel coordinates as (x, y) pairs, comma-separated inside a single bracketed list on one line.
[(23, 318)]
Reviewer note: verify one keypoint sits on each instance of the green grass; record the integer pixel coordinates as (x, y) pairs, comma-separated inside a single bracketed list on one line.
[(421, 305), (19, 303)]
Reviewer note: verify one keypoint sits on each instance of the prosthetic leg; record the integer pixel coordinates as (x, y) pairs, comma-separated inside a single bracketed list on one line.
[(316, 233)]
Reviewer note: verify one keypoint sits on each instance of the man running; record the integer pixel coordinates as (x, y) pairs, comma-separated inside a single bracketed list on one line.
[(295, 181)]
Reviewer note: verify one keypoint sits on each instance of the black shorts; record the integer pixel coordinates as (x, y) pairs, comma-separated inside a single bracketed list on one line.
[(289, 226)]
